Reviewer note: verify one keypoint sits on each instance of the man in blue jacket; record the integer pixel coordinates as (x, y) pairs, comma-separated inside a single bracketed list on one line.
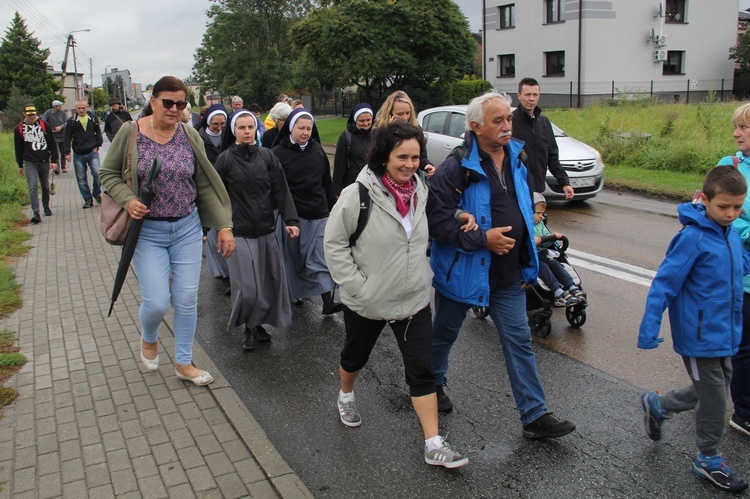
[(700, 281), (490, 267)]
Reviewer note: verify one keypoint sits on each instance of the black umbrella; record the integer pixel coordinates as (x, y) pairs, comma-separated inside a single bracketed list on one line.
[(134, 231)]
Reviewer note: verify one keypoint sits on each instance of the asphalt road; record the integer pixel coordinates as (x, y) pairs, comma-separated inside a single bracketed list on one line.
[(592, 376)]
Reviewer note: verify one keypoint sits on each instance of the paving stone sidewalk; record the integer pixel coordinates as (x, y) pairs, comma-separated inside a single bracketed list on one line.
[(90, 421)]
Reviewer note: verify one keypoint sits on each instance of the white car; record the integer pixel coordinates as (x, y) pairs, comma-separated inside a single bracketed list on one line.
[(444, 129)]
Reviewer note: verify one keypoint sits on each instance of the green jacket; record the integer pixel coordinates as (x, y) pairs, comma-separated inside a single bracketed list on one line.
[(213, 203)]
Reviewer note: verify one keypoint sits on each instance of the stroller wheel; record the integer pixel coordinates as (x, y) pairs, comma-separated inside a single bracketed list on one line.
[(541, 326), (576, 316), (480, 312)]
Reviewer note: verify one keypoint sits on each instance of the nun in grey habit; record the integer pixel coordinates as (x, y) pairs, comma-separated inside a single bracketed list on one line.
[(257, 186)]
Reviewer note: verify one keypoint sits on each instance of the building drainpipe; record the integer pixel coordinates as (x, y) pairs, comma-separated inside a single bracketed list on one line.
[(484, 41), (580, 31)]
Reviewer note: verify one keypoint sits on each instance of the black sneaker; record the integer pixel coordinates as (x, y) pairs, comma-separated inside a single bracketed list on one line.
[(332, 307), (715, 470), (261, 335), (227, 286), (548, 426), (47, 212), (249, 344), (36, 218), (88, 203), (98, 199), (444, 403), (740, 424)]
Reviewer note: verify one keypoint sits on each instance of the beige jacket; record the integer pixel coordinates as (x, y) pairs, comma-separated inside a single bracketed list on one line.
[(213, 203), (385, 275)]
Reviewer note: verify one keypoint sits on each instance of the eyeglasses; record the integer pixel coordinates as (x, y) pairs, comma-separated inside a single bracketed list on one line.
[(168, 103)]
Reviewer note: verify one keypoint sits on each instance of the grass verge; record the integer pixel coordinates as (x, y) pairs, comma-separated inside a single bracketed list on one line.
[(10, 363), (653, 183)]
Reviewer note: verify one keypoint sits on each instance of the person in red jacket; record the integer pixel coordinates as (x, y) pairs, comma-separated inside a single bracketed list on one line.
[(35, 146)]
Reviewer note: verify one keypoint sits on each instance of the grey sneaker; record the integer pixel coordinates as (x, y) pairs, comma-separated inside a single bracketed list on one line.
[(445, 456), (349, 414)]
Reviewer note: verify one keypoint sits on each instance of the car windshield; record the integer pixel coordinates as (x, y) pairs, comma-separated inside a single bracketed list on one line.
[(558, 131)]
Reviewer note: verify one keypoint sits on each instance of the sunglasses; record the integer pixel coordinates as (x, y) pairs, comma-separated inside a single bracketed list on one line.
[(168, 103)]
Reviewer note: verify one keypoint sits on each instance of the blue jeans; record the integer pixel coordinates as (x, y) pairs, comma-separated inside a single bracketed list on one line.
[(165, 246), (507, 309), (80, 162)]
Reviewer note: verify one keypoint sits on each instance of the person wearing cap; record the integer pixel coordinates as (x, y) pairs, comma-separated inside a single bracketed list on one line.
[(114, 119), (83, 136), (352, 147), (308, 174), (57, 119), (255, 109), (34, 145), (255, 181)]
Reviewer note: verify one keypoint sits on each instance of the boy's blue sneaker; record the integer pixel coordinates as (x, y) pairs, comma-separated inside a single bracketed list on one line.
[(653, 414), (715, 470)]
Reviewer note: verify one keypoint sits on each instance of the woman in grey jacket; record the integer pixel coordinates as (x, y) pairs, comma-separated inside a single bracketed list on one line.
[(385, 277)]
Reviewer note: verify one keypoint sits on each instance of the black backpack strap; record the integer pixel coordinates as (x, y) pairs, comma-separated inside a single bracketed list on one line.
[(365, 203)]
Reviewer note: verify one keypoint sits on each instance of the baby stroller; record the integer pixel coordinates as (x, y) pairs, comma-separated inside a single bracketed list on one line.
[(540, 296)]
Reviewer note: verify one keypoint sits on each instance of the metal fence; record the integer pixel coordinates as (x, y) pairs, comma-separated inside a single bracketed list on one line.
[(564, 93)]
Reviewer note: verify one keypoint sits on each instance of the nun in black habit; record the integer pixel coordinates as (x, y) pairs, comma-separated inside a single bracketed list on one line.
[(257, 186), (308, 173)]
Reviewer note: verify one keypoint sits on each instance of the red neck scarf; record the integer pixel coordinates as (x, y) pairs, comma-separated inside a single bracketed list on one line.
[(402, 193)]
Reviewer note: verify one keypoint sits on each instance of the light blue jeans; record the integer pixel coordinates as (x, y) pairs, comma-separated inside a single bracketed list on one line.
[(507, 310), (81, 162), (165, 246)]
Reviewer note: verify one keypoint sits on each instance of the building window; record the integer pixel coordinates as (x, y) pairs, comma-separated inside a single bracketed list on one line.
[(506, 66), (674, 65), (554, 11), (555, 63), (507, 14), (675, 11)]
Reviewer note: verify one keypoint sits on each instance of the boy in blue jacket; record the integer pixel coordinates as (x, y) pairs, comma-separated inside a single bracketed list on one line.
[(700, 281)]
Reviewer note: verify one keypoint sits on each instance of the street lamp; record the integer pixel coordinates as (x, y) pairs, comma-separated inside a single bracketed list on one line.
[(71, 43)]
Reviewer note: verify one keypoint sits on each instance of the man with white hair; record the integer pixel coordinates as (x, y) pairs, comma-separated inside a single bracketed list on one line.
[(56, 118), (492, 266)]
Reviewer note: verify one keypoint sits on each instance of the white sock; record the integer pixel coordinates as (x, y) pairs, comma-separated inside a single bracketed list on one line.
[(435, 442), (346, 397), (558, 292)]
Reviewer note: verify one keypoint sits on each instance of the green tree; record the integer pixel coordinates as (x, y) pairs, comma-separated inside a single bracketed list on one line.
[(101, 99), (246, 49), (379, 44), (741, 52), (16, 102), (23, 64)]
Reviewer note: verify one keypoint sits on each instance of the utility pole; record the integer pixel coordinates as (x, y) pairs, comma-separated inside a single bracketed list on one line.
[(91, 74), (75, 68)]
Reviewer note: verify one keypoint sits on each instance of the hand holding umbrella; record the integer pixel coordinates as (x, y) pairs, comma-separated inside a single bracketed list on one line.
[(137, 208)]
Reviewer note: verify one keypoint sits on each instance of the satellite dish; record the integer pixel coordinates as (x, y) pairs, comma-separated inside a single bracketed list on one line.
[(653, 35), (661, 11)]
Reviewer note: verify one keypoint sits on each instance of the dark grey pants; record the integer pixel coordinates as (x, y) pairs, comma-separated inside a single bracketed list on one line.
[(37, 173), (708, 396)]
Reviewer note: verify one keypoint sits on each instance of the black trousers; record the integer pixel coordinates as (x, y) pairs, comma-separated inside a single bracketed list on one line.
[(414, 337)]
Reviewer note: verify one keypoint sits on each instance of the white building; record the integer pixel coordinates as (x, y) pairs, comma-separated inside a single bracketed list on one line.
[(673, 49)]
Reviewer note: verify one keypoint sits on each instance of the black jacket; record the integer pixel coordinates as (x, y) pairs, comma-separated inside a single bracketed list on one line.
[(113, 121), (256, 185), (540, 146), (84, 141), (351, 156), (308, 174), (33, 143), (211, 150)]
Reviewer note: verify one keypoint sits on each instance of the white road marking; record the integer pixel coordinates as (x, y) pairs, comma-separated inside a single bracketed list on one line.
[(619, 270)]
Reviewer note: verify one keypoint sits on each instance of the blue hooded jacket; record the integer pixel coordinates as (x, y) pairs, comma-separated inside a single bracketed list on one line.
[(461, 261), (700, 281)]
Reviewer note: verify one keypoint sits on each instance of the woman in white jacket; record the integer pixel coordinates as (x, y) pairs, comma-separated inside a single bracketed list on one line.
[(385, 277)]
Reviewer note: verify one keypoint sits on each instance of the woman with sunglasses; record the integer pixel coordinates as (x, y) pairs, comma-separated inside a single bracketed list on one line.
[(308, 174), (189, 195)]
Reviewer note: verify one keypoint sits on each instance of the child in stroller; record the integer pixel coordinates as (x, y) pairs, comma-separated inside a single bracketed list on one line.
[(551, 272)]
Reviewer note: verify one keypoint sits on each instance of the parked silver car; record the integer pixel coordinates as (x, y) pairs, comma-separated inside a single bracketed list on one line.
[(444, 129)]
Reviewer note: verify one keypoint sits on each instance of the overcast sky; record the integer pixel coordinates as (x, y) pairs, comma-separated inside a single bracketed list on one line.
[(151, 38)]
